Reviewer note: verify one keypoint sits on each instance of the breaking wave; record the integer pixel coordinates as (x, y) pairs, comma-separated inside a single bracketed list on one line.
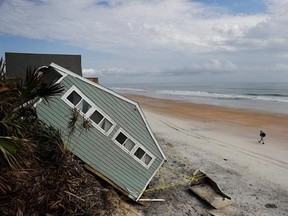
[(263, 97)]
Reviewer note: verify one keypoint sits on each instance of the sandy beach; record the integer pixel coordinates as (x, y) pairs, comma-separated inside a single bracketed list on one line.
[(222, 142)]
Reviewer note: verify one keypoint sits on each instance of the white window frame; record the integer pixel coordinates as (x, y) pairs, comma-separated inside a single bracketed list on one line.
[(137, 145), (90, 111)]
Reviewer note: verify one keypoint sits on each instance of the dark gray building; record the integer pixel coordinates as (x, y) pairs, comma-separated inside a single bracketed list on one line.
[(18, 63)]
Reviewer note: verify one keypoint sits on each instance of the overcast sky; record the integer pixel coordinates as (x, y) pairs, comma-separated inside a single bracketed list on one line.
[(155, 40)]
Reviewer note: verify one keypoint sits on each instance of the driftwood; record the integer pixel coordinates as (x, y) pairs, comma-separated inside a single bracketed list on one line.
[(209, 191), (151, 200)]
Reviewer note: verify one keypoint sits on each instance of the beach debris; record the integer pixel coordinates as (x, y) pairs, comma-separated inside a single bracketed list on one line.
[(270, 205), (151, 200), (208, 190)]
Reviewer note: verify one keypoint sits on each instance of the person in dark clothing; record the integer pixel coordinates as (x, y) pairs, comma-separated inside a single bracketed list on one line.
[(262, 135)]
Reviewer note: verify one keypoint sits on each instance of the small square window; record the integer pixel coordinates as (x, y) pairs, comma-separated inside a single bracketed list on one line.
[(50, 75), (96, 117), (139, 153), (105, 125), (146, 159), (74, 98), (121, 138), (129, 145), (84, 106)]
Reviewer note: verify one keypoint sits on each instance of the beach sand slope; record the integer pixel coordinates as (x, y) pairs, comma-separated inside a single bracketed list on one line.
[(224, 144)]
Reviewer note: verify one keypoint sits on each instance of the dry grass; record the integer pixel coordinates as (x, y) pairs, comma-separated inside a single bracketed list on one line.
[(38, 175), (44, 188)]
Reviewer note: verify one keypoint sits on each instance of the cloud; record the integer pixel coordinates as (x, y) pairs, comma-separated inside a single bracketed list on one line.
[(272, 31), (212, 66), (112, 71), (89, 72), (150, 24), (154, 36)]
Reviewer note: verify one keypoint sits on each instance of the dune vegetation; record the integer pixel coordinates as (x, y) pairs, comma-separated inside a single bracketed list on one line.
[(38, 175)]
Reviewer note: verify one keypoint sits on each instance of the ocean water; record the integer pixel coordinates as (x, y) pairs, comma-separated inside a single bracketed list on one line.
[(269, 97)]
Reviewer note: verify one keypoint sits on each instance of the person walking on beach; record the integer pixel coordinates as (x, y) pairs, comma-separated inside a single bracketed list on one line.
[(262, 135)]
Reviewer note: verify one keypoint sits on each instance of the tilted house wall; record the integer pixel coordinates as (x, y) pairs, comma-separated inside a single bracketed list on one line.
[(119, 145)]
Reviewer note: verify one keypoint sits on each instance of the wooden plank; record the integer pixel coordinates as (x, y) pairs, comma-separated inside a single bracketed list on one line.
[(151, 200), (208, 190)]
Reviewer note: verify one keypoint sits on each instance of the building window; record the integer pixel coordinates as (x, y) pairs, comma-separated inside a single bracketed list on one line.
[(139, 153), (50, 74), (143, 156), (79, 102), (146, 158), (105, 124), (75, 98), (129, 145), (96, 117), (121, 138), (134, 148), (84, 106)]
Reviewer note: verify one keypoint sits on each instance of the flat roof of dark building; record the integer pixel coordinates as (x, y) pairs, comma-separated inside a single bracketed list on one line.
[(18, 63)]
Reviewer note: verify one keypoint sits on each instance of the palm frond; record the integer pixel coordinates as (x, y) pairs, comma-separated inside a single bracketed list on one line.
[(35, 88), (9, 127), (10, 149), (75, 113), (87, 124), (50, 145), (27, 115), (47, 91), (4, 186), (31, 83)]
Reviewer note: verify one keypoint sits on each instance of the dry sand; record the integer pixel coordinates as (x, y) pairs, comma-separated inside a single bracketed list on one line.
[(222, 142)]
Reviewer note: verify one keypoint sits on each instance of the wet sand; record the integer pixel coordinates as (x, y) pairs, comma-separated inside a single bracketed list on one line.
[(276, 125)]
